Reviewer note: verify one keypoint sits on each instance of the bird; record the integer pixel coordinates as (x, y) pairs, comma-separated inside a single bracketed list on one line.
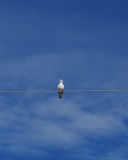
[(60, 88)]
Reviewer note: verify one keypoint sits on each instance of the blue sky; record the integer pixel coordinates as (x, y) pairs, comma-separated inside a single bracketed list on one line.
[(83, 42)]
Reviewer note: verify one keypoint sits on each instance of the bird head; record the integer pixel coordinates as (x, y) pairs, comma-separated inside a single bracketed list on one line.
[(61, 80)]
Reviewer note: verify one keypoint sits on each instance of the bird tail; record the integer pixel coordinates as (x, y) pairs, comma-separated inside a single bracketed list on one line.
[(60, 91)]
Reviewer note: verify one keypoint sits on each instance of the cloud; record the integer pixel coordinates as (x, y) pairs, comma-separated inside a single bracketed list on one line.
[(84, 71), (41, 125), (119, 154), (41, 121)]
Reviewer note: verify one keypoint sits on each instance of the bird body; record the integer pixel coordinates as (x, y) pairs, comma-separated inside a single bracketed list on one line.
[(60, 88), (60, 85)]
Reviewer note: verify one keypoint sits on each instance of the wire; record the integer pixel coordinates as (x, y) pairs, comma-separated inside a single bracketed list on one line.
[(96, 90), (74, 91), (28, 91)]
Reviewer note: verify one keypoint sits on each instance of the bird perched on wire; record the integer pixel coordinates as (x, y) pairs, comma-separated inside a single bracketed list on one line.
[(60, 88)]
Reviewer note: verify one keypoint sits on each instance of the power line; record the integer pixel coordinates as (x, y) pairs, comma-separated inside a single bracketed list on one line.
[(73, 91), (96, 90)]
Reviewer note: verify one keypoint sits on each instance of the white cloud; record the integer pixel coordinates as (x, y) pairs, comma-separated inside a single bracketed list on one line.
[(54, 123), (118, 154), (36, 122)]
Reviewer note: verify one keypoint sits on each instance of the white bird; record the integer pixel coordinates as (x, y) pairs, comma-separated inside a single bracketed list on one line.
[(60, 88)]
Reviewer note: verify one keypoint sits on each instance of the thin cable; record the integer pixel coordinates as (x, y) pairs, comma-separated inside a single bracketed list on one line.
[(28, 91), (74, 91), (96, 90)]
